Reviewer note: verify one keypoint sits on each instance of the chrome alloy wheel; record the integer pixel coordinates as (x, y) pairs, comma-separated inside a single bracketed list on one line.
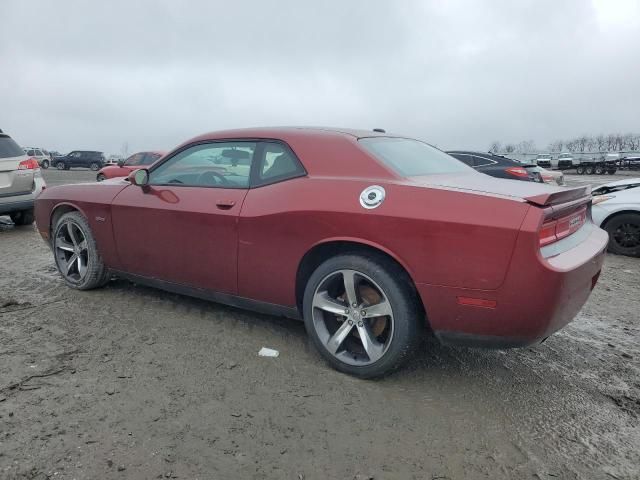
[(71, 251), (352, 317)]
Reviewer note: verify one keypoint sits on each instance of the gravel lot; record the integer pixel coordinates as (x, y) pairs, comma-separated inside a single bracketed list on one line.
[(131, 382)]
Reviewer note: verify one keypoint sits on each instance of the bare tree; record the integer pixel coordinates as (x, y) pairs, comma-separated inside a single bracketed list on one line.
[(495, 147), (582, 143), (526, 146), (601, 142), (556, 146), (509, 148)]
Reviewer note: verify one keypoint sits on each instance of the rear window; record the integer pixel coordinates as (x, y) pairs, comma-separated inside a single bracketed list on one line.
[(411, 158), (9, 148)]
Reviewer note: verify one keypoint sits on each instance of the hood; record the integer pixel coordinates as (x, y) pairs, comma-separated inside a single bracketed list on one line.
[(540, 194)]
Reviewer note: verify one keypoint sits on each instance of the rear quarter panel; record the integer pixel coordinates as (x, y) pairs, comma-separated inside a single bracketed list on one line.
[(441, 237)]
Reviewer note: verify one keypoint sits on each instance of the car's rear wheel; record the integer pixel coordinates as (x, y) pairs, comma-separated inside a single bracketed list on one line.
[(94, 166), (45, 164), (23, 217), (101, 177), (580, 170), (624, 234), (599, 170), (76, 253), (61, 166), (362, 315), (589, 170)]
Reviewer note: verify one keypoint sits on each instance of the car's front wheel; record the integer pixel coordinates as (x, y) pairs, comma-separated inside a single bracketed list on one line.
[(624, 234), (76, 253), (362, 314), (100, 177), (45, 164), (60, 166), (23, 217)]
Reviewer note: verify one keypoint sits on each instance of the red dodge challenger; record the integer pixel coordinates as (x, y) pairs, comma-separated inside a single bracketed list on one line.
[(372, 239)]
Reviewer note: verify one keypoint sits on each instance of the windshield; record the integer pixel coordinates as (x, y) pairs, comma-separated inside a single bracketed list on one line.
[(411, 158)]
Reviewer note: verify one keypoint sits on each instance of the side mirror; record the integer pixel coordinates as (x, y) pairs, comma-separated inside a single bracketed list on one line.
[(121, 162), (139, 177)]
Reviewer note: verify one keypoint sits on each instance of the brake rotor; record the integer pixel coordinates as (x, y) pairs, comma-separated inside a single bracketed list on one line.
[(370, 296)]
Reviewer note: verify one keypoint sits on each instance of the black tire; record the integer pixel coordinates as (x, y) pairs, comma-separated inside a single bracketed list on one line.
[(95, 274), (94, 167), (61, 166), (23, 217), (588, 170), (611, 171), (624, 234), (100, 177), (45, 164), (599, 170), (407, 324), (580, 170)]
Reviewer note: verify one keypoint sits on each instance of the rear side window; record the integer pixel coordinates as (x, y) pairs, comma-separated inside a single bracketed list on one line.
[(411, 158), (9, 148), (278, 163)]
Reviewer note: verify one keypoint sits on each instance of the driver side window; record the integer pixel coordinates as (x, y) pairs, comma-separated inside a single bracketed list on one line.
[(220, 164)]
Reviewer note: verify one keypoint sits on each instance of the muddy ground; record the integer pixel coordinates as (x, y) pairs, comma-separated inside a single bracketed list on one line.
[(131, 382)]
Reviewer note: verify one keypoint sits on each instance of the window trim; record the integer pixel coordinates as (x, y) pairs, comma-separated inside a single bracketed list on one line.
[(171, 155)]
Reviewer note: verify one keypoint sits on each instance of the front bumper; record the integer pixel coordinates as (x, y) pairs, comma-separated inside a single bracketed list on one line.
[(536, 299)]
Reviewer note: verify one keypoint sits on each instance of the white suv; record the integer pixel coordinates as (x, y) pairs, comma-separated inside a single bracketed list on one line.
[(40, 154), (20, 181)]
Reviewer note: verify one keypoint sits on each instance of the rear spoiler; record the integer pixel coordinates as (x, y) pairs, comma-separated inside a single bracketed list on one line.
[(561, 196)]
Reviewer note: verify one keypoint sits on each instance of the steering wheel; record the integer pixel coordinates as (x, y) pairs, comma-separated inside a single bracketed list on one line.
[(206, 177)]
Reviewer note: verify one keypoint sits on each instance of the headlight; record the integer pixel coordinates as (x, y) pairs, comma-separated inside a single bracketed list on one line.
[(601, 198)]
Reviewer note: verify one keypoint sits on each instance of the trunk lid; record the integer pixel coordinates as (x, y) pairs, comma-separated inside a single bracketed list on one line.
[(539, 194)]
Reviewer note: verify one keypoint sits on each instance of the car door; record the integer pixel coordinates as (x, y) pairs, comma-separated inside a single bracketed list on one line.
[(73, 159), (183, 226)]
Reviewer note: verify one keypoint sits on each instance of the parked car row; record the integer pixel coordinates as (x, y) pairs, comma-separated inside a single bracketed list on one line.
[(599, 165)]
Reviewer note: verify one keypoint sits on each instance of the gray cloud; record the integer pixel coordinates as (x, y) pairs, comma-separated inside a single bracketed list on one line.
[(77, 74)]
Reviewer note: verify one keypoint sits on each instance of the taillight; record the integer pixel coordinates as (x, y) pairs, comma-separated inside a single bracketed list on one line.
[(555, 230), (29, 164), (547, 178), (517, 171)]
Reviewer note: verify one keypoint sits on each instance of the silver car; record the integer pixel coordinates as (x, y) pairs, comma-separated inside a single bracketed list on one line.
[(20, 182)]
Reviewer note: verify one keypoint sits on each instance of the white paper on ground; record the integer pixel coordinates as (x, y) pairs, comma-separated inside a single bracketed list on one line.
[(268, 352)]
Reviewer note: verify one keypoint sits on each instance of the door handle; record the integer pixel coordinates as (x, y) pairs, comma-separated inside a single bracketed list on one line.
[(225, 204)]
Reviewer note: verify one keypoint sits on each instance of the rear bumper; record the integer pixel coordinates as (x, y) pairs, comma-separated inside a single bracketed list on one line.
[(536, 299), (22, 202), (16, 206)]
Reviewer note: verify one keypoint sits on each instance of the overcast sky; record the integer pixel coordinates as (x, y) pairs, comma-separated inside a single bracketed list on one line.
[(93, 75)]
